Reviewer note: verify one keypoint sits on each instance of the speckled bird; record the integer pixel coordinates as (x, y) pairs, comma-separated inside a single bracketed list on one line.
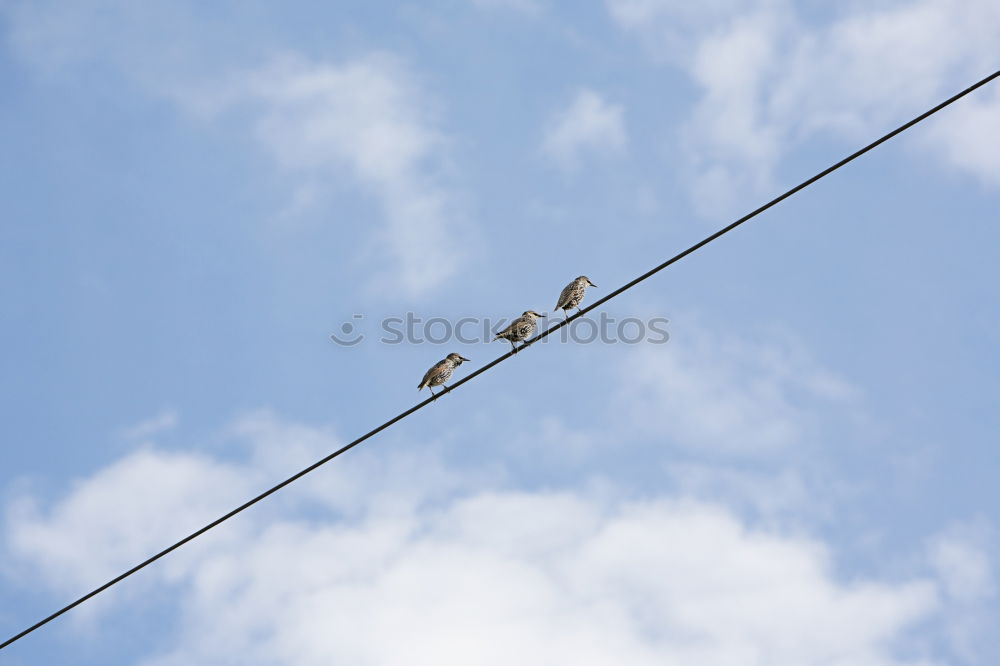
[(572, 294), (520, 329), (441, 372)]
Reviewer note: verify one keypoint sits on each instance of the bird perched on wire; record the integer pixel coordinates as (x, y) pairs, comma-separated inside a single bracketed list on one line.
[(440, 372), (572, 294), (520, 329)]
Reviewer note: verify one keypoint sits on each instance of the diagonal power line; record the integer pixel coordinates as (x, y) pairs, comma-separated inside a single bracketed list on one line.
[(371, 433)]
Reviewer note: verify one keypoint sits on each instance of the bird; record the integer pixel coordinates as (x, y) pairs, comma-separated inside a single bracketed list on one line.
[(572, 294), (440, 372), (520, 329)]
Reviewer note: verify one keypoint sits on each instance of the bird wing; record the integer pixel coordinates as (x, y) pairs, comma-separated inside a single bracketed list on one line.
[(565, 295), (507, 331), (435, 369)]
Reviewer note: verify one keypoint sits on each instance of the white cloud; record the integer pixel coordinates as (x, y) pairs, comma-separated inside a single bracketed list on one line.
[(540, 579), (369, 116), (165, 420), (772, 495), (670, 29), (590, 125), (770, 80), (484, 576), (963, 557), (718, 393), (969, 137), (366, 117), (152, 497), (123, 514), (964, 566)]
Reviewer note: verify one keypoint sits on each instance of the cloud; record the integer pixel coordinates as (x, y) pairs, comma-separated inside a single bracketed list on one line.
[(483, 574), (153, 496), (671, 29), (369, 116), (969, 137), (366, 118), (538, 579), (963, 558), (165, 420), (965, 567), (122, 514), (731, 396), (590, 125), (770, 80), (770, 494)]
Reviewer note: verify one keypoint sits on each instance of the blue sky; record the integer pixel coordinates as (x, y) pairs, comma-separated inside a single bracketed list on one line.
[(194, 198)]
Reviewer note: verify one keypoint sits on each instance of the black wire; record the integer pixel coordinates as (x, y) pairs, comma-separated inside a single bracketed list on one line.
[(503, 358)]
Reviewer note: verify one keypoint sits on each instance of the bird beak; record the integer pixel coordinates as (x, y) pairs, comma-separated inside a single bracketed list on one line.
[(591, 283), (463, 358)]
